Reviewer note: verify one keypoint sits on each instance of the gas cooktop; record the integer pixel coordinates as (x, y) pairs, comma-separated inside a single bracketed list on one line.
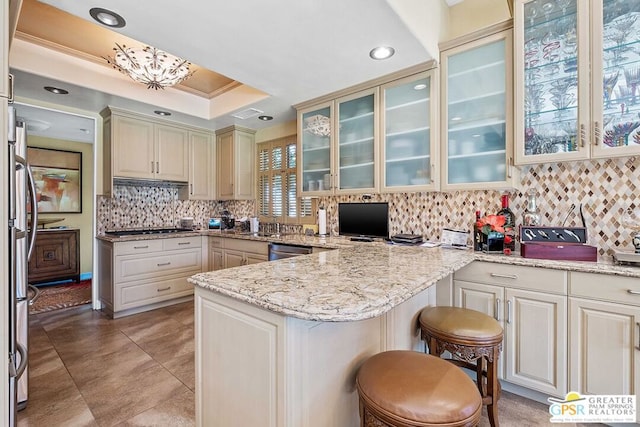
[(138, 231)]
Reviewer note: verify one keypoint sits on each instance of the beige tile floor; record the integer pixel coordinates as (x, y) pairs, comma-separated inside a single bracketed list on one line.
[(88, 370)]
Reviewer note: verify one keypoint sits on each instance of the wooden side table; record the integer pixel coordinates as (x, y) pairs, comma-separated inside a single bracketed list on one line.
[(56, 255)]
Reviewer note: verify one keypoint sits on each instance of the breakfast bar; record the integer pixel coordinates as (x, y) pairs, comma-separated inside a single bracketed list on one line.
[(279, 343)]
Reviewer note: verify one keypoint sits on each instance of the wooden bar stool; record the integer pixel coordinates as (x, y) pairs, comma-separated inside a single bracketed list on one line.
[(475, 341), (411, 389)]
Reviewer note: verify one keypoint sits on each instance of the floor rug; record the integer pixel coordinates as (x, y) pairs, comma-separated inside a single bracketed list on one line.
[(62, 296)]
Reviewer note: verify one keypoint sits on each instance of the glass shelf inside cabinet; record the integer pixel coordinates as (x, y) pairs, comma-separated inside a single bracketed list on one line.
[(621, 73), (356, 143), (476, 111), (408, 134), (316, 152), (551, 77)]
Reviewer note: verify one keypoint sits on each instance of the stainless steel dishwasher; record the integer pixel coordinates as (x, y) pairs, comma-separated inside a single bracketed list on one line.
[(282, 250)]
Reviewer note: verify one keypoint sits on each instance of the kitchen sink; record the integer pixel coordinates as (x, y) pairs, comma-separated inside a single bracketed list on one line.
[(263, 234)]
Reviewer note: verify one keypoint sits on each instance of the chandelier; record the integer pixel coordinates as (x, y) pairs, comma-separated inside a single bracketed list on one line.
[(150, 66)]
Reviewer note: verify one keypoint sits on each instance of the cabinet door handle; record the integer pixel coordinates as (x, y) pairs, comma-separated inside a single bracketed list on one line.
[(583, 135), (638, 346), (509, 166), (191, 189), (157, 167), (164, 289), (162, 264), (184, 243), (596, 132), (504, 276), (141, 247), (497, 313), (632, 292), (509, 311), (152, 171)]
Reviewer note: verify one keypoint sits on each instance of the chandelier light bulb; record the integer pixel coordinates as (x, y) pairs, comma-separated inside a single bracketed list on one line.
[(150, 66)]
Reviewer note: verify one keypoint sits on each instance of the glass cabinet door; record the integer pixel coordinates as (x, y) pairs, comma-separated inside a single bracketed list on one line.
[(315, 128), (475, 115), (616, 78), (356, 142), (409, 163), (553, 87)]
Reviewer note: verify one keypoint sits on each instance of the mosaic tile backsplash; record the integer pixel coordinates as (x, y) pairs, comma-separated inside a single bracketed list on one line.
[(605, 188)]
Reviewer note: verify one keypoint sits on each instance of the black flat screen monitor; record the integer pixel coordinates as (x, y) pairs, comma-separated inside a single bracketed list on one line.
[(363, 219)]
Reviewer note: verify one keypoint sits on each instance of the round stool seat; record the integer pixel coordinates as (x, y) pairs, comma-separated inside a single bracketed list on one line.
[(407, 388), (461, 325)]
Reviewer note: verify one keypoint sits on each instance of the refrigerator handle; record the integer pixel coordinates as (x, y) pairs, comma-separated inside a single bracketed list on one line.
[(34, 206), (36, 294), (12, 181), (22, 351)]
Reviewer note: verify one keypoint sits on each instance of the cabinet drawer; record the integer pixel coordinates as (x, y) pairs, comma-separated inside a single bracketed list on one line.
[(138, 247), (181, 243), (132, 267), (135, 295), (216, 242), (625, 290), (533, 278), (260, 248)]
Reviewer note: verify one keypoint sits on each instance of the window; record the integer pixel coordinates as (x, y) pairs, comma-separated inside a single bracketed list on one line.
[(277, 184)]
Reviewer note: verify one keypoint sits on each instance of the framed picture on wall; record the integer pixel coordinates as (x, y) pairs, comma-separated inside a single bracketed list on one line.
[(58, 178)]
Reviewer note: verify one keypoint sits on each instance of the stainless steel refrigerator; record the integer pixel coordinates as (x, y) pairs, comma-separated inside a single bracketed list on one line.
[(21, 241)]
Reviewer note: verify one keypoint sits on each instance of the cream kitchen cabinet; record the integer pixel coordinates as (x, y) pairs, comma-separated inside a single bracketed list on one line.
[(142, 275), (345, 160), (230, 252), (531, 305), (409, 147), (370, 138), (235, 163), (4, 50), (476, 111), (137, 147), (202, 167), (577, 80), (604, 349)]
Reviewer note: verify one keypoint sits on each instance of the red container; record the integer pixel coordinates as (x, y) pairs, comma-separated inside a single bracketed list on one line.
[(559, 251)]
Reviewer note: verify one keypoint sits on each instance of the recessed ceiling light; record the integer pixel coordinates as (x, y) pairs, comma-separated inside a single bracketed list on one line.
[(420, 86), (382, 52), (265, 118), (162, 113), (56, 90), (107, 17)]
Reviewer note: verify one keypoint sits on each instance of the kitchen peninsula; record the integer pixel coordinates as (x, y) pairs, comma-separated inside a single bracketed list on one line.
[(279, 343)]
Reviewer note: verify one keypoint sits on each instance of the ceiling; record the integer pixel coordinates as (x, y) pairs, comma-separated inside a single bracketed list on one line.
[(267, 55)]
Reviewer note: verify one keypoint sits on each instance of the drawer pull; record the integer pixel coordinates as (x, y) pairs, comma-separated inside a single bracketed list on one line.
[(504, 276), (162, 264), (141, 247), (632, 292), (184, 243), (164, 289)]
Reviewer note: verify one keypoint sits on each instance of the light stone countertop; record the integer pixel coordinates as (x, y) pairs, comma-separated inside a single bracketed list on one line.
[(347, 284), (354, 282)]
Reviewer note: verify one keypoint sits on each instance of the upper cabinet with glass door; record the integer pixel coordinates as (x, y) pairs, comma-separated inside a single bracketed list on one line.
[(408, 148), (616, 88), (356, 142), (315, 158), (476, 115), (577, 70)]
